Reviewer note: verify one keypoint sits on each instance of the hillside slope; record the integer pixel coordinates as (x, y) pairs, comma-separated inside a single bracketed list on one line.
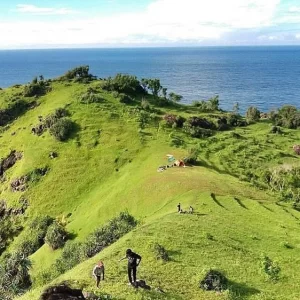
[(109, 165)]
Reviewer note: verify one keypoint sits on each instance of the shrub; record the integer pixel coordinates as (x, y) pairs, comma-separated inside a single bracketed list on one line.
[(90, 97), (173, 121), (252, 114), (236, 120), (200, 122), (14, 275), (108, 234), (72, 255), (287, 116), (56, 236), (192, 157), (36, 88), (40, 225), (123, 83), (214, 281), (175, 97), (270, 268), (160, 252), (145, 104), (125, 98), (197, 132), (80, 74), (61, 129), (14, 110)]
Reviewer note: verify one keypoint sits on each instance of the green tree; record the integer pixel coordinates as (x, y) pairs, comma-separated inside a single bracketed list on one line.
[(252, 114), (175, 97)]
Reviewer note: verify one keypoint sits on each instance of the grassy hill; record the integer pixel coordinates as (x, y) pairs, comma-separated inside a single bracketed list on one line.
[(108, 164)]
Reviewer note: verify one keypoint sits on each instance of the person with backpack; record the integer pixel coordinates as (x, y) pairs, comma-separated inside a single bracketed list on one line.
[(98, 271), (134, 260)]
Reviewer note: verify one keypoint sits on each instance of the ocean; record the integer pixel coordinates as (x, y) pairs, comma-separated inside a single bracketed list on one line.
[(265, 77)]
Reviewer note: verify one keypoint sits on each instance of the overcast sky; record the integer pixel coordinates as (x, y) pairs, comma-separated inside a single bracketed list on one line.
[(145, 23)]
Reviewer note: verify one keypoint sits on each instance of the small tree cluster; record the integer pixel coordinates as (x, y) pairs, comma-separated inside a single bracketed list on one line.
[(38, 87), (14, 275), (14, 110), (56, 236), (206, 106), (152, 85), (59, 126), (287, 116), (90, 96), (252, 114), (79, 74), (61, 129), (123, 83)]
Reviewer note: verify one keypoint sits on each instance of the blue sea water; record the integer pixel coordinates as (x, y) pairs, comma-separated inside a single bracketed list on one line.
[(266, 77)]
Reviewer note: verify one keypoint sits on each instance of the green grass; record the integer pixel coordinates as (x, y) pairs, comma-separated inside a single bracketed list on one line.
[(109, 165)]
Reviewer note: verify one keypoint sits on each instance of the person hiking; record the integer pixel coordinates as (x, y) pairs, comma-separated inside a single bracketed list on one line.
[(178, 208), (133, 261), (98, 271), (191, 210)]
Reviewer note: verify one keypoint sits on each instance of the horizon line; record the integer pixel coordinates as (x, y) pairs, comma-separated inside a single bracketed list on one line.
[(148, 47)]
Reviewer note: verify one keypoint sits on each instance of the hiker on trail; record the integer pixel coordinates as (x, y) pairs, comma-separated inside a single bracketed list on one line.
[(98, 271), (191, 210), (178, 208), (133, 261)]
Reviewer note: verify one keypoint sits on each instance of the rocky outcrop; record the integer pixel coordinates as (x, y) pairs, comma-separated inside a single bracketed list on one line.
[(9, 161)]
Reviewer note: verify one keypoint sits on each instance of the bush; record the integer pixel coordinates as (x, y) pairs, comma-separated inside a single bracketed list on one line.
[(270, 268), (79, 74), (214, 281), (160, 252), (192, 156), (14, 275), (71, 256), (40, 225), (287, 116), (14, 110), (123, 83), (252, 114), (36, 88), (125, 98), (56, 236), (174, 121), (197, 132), (61, 129), (108, 234)]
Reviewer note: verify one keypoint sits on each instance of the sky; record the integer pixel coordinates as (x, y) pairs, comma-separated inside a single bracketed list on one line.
[(147, 23)]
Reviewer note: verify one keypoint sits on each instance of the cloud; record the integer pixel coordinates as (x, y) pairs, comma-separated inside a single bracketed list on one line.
[(163, 21), (32, 9), (294, 9)]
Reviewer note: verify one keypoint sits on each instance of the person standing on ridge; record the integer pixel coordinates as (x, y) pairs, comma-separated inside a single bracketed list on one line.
[(178, 208), (133, 261), (98, 271)]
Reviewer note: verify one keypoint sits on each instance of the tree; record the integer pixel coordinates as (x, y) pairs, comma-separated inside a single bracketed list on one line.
[(56, 236), (175, 97), (213, 103), (252, 114)]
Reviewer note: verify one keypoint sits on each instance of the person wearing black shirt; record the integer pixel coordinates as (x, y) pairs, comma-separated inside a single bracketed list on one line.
[(133, 261)]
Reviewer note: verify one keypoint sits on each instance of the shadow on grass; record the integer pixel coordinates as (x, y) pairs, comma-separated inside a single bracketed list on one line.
[(213, 196), (240, 203), (74, 131), (72, 236), (267, 208), (241, 290)]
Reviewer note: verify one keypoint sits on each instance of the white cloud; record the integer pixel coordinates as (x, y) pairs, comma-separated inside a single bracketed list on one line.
[(164, 21), (294, 9), (32, 9)]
